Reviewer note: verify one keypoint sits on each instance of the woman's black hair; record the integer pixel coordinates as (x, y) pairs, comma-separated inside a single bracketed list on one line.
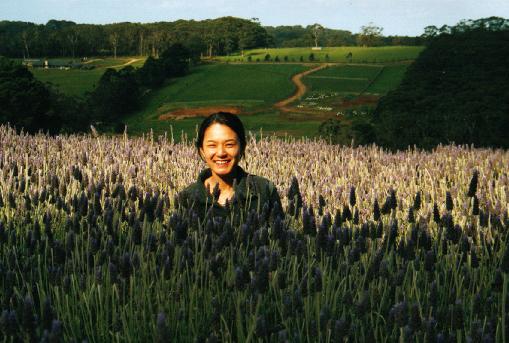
[(226, 118)]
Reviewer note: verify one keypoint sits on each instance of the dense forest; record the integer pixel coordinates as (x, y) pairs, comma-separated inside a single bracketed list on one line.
[(457, 91), (221, 36)]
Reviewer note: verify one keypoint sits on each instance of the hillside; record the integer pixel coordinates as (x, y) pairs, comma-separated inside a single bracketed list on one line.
[(456, 91)]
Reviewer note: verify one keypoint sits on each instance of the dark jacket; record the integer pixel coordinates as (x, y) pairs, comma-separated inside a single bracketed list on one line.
[(251, 192)]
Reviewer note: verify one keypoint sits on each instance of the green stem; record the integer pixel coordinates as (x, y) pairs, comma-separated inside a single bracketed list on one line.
[(504, 295)]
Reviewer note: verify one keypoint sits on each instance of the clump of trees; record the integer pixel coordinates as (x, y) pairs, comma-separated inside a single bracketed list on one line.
[(317, 35), (354, 128), (33, 105)]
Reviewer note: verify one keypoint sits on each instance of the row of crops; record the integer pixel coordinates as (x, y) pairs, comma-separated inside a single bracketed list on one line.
[(373, 246)]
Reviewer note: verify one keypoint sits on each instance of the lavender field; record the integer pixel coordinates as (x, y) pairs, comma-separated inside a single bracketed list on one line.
[(374, 246)]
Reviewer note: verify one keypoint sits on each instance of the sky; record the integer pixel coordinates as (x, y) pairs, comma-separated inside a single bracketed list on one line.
[(396, 17)]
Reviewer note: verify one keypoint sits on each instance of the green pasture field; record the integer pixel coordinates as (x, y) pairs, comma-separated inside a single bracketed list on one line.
[(367, 72), (388, 79), (337, 88), (344, 79), (78, 81), (249, 86), (254, 88), (336, 54), (71, 82)]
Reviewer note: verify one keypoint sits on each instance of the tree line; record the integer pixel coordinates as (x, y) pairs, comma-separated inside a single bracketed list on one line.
[(221, 36), (317, 35), (32, 105), (66, 38), (456, 91)]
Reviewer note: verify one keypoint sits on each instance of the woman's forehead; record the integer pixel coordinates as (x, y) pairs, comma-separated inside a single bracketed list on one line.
[(219, 132)]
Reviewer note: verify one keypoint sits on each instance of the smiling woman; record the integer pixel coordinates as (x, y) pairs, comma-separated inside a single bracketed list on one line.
[(224, 188)]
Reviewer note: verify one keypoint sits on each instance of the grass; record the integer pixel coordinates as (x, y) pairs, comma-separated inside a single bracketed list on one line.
[(336, 54), (76, 81), (336, 89), (389, 79), (349, 71), (71, 82), (254, 88)]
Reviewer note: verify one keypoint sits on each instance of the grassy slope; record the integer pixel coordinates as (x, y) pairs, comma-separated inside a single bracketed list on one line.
[(336, 54), (389, 79), (253, 87), (356, 79), (342, 79), (76, 81), (71, 82)]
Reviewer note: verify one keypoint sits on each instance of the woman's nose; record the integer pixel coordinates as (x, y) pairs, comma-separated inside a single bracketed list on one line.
[(221, 150)]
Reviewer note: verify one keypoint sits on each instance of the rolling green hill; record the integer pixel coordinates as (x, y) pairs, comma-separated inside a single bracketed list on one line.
[(252, 88), (335, 54), (78, 81)]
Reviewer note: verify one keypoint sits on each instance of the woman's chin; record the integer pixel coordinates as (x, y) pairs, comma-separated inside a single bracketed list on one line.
[(223, 170)]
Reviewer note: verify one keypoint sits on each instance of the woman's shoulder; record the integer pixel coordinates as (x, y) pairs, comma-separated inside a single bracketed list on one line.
[(260, 182)]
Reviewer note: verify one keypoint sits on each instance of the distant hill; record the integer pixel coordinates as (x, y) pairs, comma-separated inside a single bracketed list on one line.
[(456, 91)]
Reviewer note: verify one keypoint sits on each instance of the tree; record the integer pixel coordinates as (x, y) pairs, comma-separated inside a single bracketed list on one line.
[(114, 43), (370, 35), (116, 95), (152, 73), (175, 60), (73, 37), (430, 32), (317, 30)]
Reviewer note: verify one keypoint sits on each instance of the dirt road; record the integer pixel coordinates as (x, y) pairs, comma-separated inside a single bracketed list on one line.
[(301, 88)]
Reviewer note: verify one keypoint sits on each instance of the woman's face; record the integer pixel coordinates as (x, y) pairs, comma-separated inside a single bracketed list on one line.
[(220, 149)]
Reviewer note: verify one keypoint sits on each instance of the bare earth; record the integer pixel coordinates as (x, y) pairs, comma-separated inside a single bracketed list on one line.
[(197, 112)]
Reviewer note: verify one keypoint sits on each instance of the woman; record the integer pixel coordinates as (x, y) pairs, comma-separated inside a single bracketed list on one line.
[(224, 188)]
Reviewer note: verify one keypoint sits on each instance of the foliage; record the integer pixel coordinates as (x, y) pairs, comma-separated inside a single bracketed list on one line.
[(94, 248), (64, 38), (383, 54), (298, 36), (116, 95), (175, 61), (30, 105), (456, 91), (353, 129), (370, 35), (152, 74)]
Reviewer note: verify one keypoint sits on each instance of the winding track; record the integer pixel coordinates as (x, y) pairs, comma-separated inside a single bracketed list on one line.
[(301, 88)]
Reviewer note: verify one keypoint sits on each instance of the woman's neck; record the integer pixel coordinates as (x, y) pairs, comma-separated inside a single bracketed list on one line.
[(224, 183)]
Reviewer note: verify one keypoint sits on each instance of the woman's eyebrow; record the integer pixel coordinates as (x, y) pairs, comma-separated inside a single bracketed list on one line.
[(226, 141)]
